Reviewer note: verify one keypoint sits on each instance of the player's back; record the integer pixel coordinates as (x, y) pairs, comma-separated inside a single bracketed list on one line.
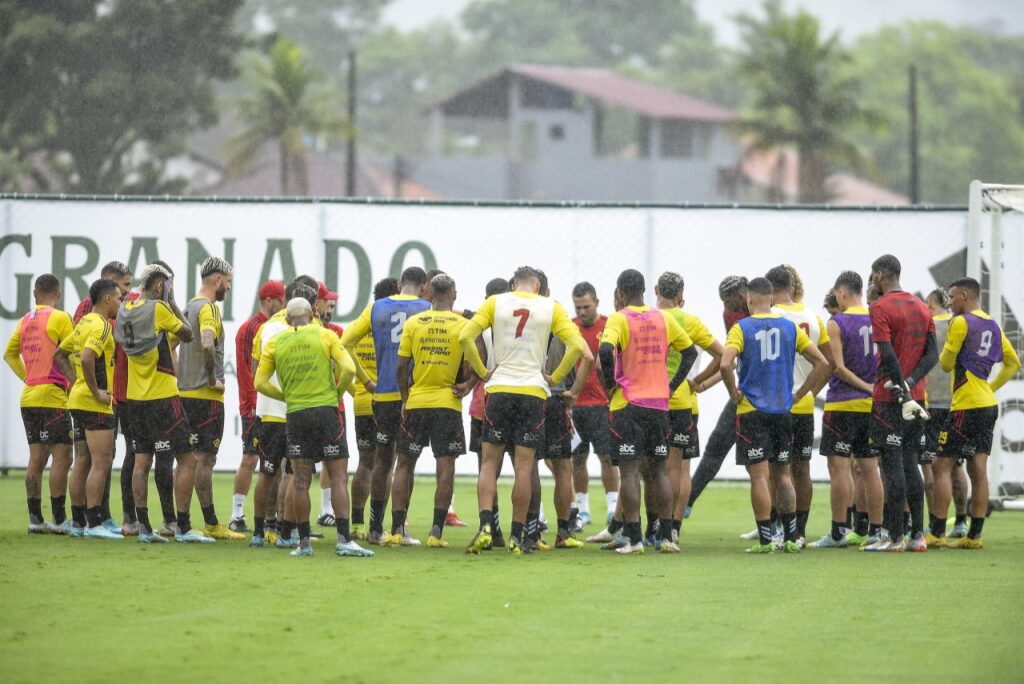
[(937, 382), (766, 362), (265, 406), (982, 349), (904, 321), (858, 354), (387, 320), (521, 329)]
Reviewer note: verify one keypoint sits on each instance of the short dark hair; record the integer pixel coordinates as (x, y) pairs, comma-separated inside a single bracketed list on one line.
[(851, 282), (731, 285), (830, 300), (100, 288), (670, 284), (543, 281), (442, 284), (525, 273), (385, 287), (583, 289), (300, 288), (414, 275), (941, 296), (886, 264), (308, 281), (115, 269), (496, 286), (631, 283), (969, 284), (433, 272), (166, 266), (762, 286), (779, 277), (47, 284)]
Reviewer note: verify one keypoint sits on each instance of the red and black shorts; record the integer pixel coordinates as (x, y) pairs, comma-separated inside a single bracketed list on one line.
[(316, 434), (763, 437), (206, 416), (932, 431), (250, 435), (845, 433), (387, 417), (366, 433), (159, 426), (802, 447), (47, 425), (968, 432), (439, 428), (557, 442), (890, 433), (592, 426), (684, 432), (639, 432), (513, 418), (272, 441), (90, 421)]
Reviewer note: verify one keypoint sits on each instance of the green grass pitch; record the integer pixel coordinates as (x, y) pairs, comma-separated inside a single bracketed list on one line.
[(93, 611)]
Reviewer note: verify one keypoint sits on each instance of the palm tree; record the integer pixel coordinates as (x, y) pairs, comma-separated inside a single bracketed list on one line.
[(287, 101), (802, 99)]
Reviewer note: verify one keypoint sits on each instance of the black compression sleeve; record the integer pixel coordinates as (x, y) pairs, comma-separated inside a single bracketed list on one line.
[(688, 356), (890, 362), (606, 353), (928, 360)]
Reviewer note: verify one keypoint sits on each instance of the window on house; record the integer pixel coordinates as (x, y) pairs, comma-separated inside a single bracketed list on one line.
[(677, 138)]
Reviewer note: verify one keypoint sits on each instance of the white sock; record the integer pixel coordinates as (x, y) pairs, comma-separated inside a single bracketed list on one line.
[(237, 506), (583, 502), (451, 508), (613, 501), (325, 502), (541, 516)]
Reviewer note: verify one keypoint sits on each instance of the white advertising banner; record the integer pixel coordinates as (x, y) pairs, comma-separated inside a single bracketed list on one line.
[(352, 245)]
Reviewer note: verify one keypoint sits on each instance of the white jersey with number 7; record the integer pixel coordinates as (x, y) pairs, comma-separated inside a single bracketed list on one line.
[(521, 329)]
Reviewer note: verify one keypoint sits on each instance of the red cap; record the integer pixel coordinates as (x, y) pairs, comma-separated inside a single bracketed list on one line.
[(272, 289), (325, 293)]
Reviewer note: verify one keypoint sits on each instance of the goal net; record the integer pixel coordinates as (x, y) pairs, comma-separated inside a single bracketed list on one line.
[(995, 257)]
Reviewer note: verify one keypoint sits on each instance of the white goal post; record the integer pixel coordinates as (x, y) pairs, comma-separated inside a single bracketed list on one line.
[(987, 205)]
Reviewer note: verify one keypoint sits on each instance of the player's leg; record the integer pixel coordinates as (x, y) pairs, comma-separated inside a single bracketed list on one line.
[(581, 482), (523, 465), (130, 526), (163, 475), (912, 433), (448, 442), (874, 496), (301, 480), (265, 482), (409, 446), (100, 444), (326, 517), (60, 466), (960, 491), (942, 493), (365, 438), (720, 442), (244, 473), (977, 471), (387, 417), (780, 475), (840, 496), (761, 504), (800, 470), (974, 429), (38, 455), (76, 483)]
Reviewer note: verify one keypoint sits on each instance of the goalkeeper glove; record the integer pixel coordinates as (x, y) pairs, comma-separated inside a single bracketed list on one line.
[(908, 407)]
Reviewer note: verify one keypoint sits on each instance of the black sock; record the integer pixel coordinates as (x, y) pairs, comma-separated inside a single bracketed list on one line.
[(976, 525), (286, 529), (775, 516), (563, 528), (439, 517), (960, 519), (163, 475), (357, 515), (764, 531), (496, 518), (517, 532), (398, 521), (633, 532), (874, 529), (341, 525), (271, 525), (851, 516), (57, 509), (486, 519), (105, 503), (533, 526), (801, 523), (677, 525), (665, 528), (260, 526), (209, 515), (78, 515), (95, 516), (142, 515), (574, 514), (837, 530), (862, 525), (35, 510), (184, 522), (907, 521), (937, 527), (377, 515), (789, 526), (614, 526), (652, 524), (304, 530)]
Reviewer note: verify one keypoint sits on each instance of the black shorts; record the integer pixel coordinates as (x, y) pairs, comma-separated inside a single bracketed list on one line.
[(639, 432), (968, 432), (47, 425), (440, 428), (272, 442), (206, 416), (932, 430), (684, 432), (250, 435), (557, 440), (515, 418), (763, 437), (387, 419), (802, 425), (159, 426), (845, 433), (890, 432), (366, 433), (592, 426), (90, 420), (316, 434)]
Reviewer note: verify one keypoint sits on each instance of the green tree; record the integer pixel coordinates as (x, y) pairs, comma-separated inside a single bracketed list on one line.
[(287, 101), (801, 95), (970, 104), (107, 90)]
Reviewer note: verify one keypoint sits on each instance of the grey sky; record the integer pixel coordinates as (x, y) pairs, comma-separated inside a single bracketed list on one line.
[(853, 18)]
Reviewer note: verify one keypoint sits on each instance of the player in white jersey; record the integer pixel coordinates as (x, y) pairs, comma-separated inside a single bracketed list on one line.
[(522, 322), (787, 296)]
